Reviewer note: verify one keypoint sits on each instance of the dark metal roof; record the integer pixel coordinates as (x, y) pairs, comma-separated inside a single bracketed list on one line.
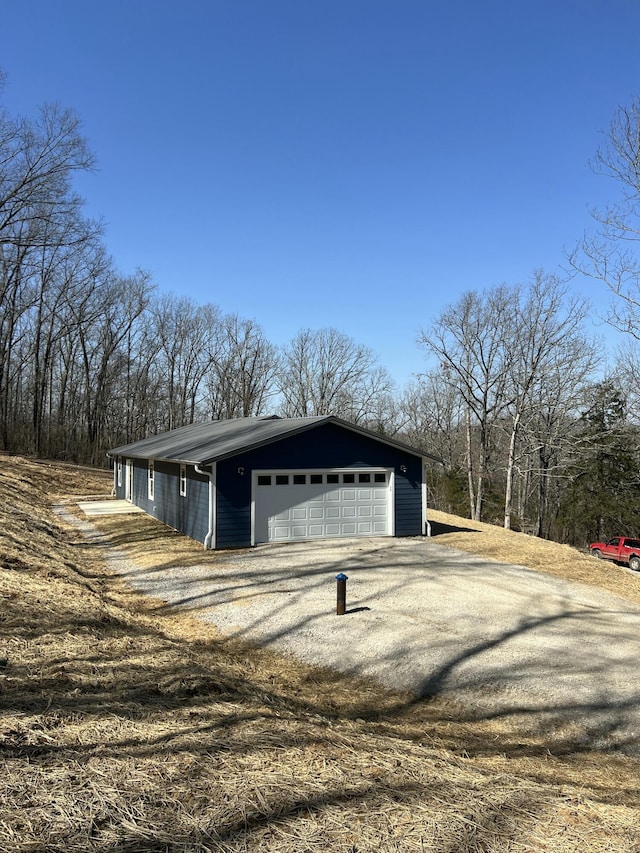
[(201, 444)]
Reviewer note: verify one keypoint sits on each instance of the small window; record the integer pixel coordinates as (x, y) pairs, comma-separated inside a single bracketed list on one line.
[(183, 481), (333, 478), (364, 478), (150, 476), (348, 478), (264, 480), (314, 479), (282, 479), (380, 478), (299, 479), (119, 470)]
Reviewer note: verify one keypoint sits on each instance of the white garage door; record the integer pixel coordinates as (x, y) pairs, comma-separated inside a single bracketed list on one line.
[(321, 504)]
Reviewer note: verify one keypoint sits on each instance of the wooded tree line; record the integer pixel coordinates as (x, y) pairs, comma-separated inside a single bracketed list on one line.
[(533, 433), (91, 358), (530, 437)]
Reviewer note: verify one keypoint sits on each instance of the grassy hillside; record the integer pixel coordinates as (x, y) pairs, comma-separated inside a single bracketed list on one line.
[(549, 557), (127, 728)]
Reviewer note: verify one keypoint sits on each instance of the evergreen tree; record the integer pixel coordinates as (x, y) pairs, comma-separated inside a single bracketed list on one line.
[(603, 498)]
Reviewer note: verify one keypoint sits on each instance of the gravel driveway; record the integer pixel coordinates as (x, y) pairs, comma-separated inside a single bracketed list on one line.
[(501, 639)]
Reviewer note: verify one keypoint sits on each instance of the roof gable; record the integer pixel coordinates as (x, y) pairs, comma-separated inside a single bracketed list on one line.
[(204, 443)]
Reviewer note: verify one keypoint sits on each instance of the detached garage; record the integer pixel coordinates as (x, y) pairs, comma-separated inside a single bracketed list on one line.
[(241, 482)]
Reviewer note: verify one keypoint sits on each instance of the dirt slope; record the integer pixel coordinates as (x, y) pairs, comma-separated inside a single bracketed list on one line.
[(127, 728)]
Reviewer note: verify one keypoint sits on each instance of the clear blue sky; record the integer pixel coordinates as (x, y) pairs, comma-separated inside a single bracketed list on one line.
[(352, 163)]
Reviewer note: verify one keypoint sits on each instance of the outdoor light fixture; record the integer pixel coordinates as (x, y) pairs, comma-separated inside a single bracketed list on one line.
[(241, 471), (403, 468)]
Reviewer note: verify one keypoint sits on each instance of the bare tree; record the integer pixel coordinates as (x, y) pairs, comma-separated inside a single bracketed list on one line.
[(326, 372), (548, 433), (40, 224), (65, 267), (472, 342), (104, 324), (242, 369), (611, 254), (184, 331), (431, 415), (627, 374), (37, 159), (546, 339)]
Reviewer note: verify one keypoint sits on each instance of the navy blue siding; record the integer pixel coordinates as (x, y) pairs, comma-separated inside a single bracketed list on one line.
[(326, 446), (189, 514), (196, 506), (139, 488)]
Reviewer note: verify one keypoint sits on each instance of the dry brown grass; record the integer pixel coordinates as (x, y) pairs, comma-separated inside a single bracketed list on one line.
[(127, 729), (550, 557)]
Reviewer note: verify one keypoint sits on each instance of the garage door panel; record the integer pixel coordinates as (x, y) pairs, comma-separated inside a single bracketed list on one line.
[(288, 506)]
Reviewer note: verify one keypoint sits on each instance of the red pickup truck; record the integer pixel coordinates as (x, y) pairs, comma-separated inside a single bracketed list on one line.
[(620, 549)]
